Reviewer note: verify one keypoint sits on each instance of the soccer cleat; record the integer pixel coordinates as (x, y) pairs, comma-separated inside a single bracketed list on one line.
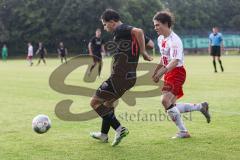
[(100, 136), (205, 112), (119, 136), (222, 69), (182, 134)]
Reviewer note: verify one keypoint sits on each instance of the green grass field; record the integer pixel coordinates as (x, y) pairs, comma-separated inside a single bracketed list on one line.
[(25, 93)]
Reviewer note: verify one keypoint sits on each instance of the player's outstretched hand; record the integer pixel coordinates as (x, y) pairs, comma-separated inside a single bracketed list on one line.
[(155, 78), (146, 57)]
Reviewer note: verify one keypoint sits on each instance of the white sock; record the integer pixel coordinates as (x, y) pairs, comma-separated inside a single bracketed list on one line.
[(103, 134), (176, 118), (119, 129), (188, 107)]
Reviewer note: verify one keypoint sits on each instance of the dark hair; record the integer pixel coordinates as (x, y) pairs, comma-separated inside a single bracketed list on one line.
[(164, 17), (110, 14)]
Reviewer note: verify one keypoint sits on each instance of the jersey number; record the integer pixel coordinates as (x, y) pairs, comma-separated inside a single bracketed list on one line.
[(165, 60)]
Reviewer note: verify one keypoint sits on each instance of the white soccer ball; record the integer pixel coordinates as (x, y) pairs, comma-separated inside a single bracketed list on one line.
[(41, 124)]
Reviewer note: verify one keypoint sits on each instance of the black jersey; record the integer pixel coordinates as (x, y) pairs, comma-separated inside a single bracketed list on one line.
[(125, 58), (62, 51), (96, 45), (41, 51)]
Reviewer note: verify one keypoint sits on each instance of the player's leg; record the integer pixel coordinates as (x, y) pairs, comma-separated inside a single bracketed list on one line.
[(121, 131), (190, 107), (61, 59), (44, 61), (95, 60), (29, 58), (213, 54), (39, 60), (99, 68), (102, 103), (102, 111), (65, 58), (109, 119), (4, 57), (214, 63), (168, 101), (220, 62)]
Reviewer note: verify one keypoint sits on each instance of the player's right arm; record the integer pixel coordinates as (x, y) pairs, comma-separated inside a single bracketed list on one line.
[(90, 48), (139, 35), (58, 50), (222, 46), (37, 51), (209, 45), (66, 51), (45, 51), (159, 66)]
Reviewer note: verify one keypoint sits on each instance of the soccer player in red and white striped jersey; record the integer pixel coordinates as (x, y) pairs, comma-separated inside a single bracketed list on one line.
[(171, 67)]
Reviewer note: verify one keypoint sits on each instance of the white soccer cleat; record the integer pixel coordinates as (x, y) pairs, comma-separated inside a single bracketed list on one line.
[(100, 136), (205, 112), (120, 135), (182, 134)]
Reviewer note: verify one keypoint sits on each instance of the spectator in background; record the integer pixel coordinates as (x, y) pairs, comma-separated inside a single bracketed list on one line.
[(4, 52), (215, 47), (30, 53)]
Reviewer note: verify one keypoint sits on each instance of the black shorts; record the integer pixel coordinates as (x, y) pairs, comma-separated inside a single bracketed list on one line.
[(114, 88), (216, 51), (63, 55), (97, 57), (42, 56)]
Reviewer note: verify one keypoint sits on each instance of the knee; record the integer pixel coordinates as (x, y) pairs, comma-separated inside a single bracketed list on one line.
[(165, 102), (94, 103)]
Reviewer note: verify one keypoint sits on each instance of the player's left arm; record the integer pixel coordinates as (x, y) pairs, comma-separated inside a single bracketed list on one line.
[(103, 50), (139, 35), (45, 51), (222, 46), (66, 51), (176, 53), (148, 42)]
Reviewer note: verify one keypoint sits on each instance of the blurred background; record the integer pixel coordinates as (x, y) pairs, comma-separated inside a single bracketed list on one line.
[(74, 22)]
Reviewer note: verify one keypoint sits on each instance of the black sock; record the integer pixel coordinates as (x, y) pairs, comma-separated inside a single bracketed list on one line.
[(109, 120), (114, 122), (214, 65), (92, 67), (105, 125), (171, 106), (220, 62), (99, 69), (107, 113)]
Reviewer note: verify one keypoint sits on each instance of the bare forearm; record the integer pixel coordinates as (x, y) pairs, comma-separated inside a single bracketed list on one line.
[(172, 65), (138, 33), (150, 44), (90, 49)]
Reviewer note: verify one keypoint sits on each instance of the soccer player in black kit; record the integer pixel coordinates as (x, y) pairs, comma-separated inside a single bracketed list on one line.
[(62, 52), (95, 47), (130, 42), (42, 53)]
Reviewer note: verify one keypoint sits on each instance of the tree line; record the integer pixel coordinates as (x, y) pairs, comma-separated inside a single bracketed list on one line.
[(74, 21)]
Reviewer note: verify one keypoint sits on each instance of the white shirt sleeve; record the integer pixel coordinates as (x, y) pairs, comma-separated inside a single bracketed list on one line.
[(176, 50)]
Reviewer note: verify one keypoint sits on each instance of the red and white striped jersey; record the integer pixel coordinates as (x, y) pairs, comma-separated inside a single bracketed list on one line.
[(171, 48)]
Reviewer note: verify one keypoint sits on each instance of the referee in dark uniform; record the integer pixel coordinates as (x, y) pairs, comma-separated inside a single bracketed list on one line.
[(215, 47), (129, 43), (42, 51), (62, 52), (96, 47)]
